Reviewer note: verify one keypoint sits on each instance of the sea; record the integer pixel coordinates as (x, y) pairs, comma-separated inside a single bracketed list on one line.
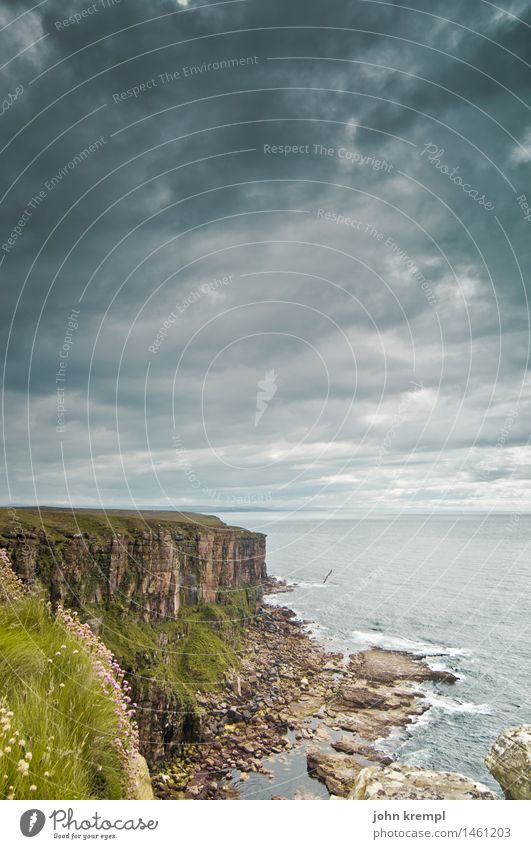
[(453, 587)]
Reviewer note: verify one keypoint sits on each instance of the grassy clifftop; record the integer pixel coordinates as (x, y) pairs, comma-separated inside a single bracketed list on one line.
[(60, 522), (65, 724), (58, 725)]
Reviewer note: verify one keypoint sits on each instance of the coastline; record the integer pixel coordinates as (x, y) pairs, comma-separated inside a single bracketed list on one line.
[(292, 700)]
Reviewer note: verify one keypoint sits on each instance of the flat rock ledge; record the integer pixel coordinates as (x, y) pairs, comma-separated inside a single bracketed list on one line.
[(509, 761), (387, 667), (400, 781)]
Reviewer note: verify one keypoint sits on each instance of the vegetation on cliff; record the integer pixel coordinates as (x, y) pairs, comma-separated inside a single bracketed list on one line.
[(192, 651), (58, 523), (170, 662), (66, 729), (168, 593)]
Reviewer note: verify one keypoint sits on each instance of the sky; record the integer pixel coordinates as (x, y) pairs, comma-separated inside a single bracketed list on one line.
[(266, 255)]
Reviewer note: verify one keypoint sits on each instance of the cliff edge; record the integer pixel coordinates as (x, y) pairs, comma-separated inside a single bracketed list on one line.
[(168, 592), (149, 564)]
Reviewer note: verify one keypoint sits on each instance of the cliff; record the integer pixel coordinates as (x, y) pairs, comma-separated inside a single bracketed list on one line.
[(167, 592), (148, 564)]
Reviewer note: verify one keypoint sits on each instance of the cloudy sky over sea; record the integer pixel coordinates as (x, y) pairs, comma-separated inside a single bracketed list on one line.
[(266, 254)]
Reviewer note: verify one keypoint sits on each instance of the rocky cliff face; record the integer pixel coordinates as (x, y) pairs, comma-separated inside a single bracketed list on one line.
[(149, 570), (509, 761), (136, 580)]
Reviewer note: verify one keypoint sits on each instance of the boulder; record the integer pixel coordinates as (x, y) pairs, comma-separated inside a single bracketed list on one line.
[(358, 748), (142, 788), (337, 772), (509, 761), (400, 781)]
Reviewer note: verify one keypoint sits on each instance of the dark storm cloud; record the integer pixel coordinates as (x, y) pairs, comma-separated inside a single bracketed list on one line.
[(376, 307)]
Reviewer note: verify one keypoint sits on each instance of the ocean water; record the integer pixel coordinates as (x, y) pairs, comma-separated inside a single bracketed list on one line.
[(453, 587)]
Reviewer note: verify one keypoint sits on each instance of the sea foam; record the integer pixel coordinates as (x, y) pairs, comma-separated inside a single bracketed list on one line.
[(395, 643)]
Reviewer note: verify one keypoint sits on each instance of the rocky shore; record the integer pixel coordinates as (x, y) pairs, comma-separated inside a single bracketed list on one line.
[(234, 697), (292, 696)]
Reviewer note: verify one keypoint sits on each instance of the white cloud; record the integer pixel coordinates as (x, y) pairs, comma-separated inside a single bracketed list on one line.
[(521, 153)]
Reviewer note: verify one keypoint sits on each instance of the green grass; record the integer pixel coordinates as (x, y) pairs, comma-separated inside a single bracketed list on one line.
[(190, 653), (178, 658), (67, 729), (204, 658), (57, 523)]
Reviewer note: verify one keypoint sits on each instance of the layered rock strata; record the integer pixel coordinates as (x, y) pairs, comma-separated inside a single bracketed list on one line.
[(150, 570), (400, 781)]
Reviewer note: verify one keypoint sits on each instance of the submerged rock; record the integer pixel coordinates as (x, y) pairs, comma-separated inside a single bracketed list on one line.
[(401, 781), (509, 761)]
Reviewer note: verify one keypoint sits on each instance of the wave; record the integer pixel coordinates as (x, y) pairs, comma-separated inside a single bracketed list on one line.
[(307, 585), (399, 737), (455, 706), (318, 629), (387, 641), (390, 744), (304, 585)]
